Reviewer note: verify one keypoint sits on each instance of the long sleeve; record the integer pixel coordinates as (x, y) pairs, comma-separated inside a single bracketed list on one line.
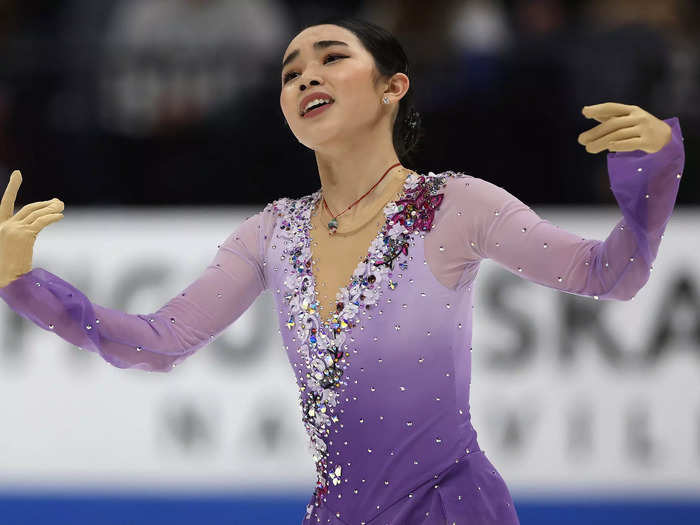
[(485, 221), (157, 341)]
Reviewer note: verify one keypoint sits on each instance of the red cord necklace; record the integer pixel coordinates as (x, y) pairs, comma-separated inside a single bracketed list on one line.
[(333, 224)]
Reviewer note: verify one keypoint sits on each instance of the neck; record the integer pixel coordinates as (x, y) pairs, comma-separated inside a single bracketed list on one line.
[(344, 181)]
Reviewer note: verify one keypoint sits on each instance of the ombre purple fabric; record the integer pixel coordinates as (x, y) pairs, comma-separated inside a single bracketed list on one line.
[(384, 383)]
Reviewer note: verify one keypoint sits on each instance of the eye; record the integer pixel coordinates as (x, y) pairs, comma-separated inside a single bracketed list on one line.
[(286, 77)]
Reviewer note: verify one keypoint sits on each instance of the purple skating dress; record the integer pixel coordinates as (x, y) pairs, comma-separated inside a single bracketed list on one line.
[(384, 383)]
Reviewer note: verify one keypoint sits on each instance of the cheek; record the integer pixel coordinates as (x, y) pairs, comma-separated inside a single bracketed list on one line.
[(356, 91), (289, 99), (284, 103)]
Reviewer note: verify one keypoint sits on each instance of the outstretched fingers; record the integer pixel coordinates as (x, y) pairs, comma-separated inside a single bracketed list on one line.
[(606, 128), (619, 138), (32, 213)]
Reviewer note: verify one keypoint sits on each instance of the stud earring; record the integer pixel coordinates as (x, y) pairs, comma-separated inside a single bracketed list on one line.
[(385, 100)]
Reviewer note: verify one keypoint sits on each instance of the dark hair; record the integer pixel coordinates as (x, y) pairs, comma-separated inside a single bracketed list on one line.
[(389, 58)]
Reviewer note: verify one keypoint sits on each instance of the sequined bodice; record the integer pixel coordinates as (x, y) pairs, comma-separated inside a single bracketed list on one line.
[(368, 315)]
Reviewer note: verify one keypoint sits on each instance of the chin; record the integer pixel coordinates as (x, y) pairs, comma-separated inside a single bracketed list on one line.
[(317, 139)]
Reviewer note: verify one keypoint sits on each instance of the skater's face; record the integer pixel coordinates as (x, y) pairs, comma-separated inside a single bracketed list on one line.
[(346, 71)]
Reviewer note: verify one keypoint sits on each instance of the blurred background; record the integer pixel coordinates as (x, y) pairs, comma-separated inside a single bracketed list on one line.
[(158, 124)]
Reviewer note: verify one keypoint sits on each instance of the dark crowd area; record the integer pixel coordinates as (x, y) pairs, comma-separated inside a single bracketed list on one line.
[(176, 102)]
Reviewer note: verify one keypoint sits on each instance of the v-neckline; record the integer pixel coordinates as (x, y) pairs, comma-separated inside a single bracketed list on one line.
[(360, 269), (322, 348)]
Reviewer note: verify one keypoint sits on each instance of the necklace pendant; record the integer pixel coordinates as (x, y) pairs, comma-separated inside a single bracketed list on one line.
[(332, 226)]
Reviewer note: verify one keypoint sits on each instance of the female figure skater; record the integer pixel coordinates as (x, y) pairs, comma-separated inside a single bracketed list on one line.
[(372, 275)]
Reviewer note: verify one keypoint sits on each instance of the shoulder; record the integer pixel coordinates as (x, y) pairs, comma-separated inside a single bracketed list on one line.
[(457, 185), (265, 220), (458, 181), (285, 206), (277, 207), (471, 195), (449, 180), (283, 213)]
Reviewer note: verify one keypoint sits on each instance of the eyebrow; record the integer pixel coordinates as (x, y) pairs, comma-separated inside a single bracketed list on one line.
[(321, 44)]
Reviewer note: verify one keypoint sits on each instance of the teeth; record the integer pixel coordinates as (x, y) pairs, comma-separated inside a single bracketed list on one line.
[(315, 101)]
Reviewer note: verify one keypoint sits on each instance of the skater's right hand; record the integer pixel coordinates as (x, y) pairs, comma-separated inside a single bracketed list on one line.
[(18, 232)]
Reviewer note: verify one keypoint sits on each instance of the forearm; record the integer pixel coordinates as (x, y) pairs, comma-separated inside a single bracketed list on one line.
[(123, 340)]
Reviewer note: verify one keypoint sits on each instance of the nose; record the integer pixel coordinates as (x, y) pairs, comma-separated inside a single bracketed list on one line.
[(312, 82)]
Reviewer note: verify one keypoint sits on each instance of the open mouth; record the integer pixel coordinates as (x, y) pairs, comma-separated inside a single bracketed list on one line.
[(317, 108)]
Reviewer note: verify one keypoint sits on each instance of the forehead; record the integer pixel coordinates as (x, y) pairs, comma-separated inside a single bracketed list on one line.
[(308, 36)]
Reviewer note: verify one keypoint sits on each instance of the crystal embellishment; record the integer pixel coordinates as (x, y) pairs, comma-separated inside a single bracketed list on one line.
[(321, 377)]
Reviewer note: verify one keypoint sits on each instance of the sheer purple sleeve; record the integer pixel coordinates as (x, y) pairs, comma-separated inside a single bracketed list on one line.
[(157, 341), (496, 225)]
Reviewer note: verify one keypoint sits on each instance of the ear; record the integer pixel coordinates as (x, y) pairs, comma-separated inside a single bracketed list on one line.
[(396, 87)]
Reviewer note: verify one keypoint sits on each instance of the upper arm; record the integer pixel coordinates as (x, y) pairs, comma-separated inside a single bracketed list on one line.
[(230, 283), (484, 221)]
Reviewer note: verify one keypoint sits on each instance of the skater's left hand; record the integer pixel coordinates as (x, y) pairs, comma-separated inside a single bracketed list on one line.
[(623, 128)]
